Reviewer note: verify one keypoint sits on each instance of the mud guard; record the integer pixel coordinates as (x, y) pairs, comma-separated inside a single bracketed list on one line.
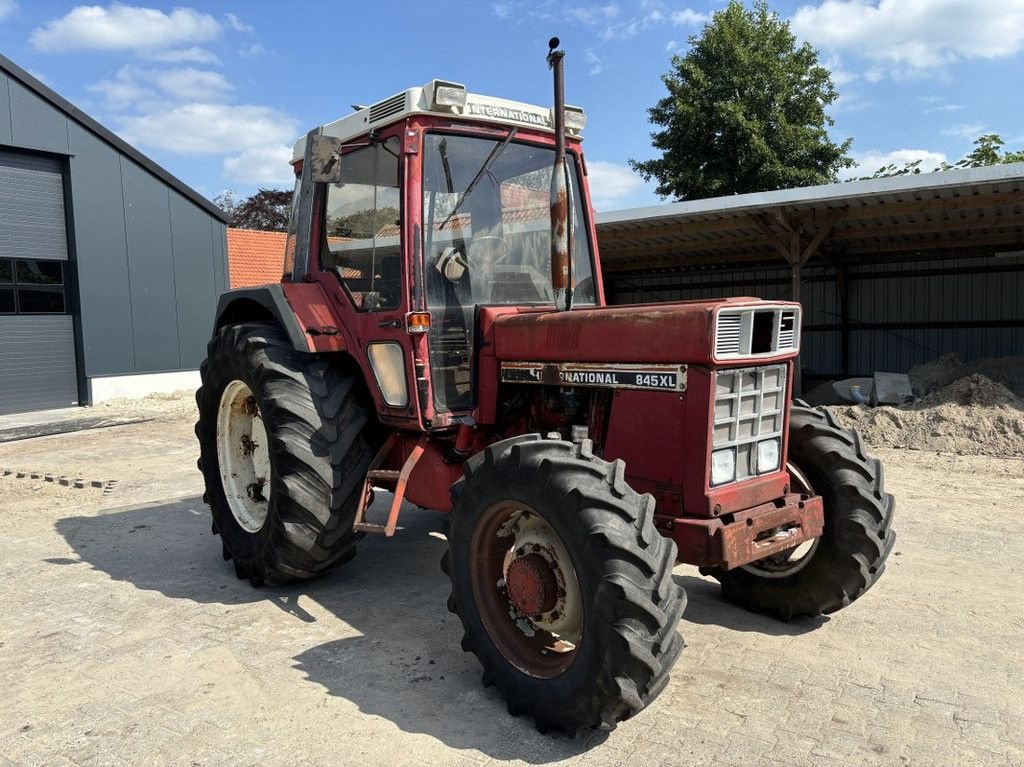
[(265, 302)]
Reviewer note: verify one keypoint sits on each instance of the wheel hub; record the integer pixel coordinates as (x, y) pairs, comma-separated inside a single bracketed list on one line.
[(244, 456), (532, 585)]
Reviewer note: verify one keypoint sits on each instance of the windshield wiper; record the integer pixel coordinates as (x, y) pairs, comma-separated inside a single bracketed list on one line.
[(495, 153)]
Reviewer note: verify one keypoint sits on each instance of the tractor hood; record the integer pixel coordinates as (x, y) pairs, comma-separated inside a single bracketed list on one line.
[(645, 333)]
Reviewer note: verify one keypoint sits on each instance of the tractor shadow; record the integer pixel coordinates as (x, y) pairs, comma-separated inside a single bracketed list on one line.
[(406, 666), (706, 606)]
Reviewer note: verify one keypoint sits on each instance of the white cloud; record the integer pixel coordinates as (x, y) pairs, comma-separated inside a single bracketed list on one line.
[(196, 128), (671, 46), (965, 130), (689, 18), (125, 90), (840, 76), (7, 7), (909, 38), (124, 27), (945, 108), (592, 14), (265, 165), (503, 10), (251, 51), (870, 161), (611, 183), (237, 24), (594, 63), (144, 89), (183, 56)]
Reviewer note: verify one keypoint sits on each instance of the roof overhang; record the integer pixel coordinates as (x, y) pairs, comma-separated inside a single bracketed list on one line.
[(954, 213)]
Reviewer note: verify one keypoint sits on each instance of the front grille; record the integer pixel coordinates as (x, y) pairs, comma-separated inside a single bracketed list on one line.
[(750, 405), (756, 331)]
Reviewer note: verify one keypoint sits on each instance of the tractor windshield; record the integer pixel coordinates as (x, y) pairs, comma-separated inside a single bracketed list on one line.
[(487, 236)]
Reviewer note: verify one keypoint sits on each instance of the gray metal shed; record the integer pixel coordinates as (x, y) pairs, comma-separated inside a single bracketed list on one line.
[(892, 272), (110, 267)]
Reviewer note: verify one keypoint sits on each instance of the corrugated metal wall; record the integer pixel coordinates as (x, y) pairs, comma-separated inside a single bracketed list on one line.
[(909, 307), (150, 262)]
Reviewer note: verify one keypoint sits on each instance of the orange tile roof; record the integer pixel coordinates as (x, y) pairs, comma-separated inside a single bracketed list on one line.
[(255, 257)]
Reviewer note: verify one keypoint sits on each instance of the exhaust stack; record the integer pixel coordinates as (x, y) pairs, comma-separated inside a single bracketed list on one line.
[(561, 259)]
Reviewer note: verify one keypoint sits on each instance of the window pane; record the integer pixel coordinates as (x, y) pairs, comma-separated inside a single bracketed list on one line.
[(6, 301), (41, 300), (362, 225), (6, 270), (39, 272)]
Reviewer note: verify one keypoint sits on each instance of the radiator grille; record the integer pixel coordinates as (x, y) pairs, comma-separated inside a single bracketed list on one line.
[(727, 340), (750, 406), (756, 331)]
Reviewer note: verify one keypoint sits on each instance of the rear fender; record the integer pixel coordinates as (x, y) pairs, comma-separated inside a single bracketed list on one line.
[(260, 304), (301, 310)]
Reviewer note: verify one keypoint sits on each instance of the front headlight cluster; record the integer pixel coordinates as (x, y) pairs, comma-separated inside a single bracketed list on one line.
[(749, 410), (766, 459)]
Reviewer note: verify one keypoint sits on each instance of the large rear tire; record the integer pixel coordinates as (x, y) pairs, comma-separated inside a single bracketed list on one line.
[(850, 555), (562, 583), (284, 446)]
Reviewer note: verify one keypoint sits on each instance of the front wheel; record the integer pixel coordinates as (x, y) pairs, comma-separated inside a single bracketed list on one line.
[(563, 584), (830, 572)]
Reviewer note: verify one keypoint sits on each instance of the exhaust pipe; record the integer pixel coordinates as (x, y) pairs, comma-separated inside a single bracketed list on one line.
[(561, 258)]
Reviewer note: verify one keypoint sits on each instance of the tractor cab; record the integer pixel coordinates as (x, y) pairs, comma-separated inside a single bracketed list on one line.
[(437, 202)]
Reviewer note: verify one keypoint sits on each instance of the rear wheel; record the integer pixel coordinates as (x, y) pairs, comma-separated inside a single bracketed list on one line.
[(562, 583), (828, 573), (284, 445)]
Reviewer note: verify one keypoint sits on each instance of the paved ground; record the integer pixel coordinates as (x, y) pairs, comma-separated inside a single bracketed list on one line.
[(125, 639)]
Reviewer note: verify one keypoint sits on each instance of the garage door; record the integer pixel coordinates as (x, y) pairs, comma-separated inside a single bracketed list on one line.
[(37, 340)]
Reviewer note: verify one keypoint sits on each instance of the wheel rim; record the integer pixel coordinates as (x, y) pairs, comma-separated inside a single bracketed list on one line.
[(526, 589), (243, 453), (790, 561)]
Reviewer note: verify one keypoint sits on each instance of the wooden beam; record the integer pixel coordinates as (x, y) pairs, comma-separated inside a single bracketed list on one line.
[(773, 238), (823, 230)]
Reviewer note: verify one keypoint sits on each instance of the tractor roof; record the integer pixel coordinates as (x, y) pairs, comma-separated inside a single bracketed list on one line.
[(443, 97)]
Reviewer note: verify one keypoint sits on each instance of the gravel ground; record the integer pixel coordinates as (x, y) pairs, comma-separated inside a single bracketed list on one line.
[(126, 639)]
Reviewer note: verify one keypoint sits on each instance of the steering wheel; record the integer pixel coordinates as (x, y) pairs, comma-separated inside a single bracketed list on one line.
[(500, 240)]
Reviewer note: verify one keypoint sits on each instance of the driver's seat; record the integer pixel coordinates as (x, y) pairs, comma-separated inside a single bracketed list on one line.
[(517, 285)]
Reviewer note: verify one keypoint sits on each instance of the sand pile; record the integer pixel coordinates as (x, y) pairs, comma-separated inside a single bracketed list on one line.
[(169, 406), (941, 372), (968, 415)]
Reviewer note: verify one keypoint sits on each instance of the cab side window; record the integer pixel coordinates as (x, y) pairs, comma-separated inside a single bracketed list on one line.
[(362, 242)]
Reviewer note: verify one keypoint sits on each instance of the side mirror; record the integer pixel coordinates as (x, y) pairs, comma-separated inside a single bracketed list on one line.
[(324, 154)]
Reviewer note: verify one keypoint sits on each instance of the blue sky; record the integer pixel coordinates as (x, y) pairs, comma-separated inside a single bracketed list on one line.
[(217, 92)]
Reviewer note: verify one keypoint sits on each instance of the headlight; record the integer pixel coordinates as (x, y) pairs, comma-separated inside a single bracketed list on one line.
[(723, 466), (767, 456), (388, 363), (448, 94)]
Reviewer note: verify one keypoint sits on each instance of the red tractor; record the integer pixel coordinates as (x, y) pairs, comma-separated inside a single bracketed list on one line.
[(441, 332)]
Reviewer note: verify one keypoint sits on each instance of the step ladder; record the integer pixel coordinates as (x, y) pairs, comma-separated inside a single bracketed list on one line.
[(389, 479)]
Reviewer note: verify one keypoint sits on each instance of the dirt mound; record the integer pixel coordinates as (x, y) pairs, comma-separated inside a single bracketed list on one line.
[(941, 372), (171, 405), (972, 415), (926, 378)]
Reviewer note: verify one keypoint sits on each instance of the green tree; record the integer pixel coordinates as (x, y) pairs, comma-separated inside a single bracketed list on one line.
[(364, 224), (986, 152), (745, 112)]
